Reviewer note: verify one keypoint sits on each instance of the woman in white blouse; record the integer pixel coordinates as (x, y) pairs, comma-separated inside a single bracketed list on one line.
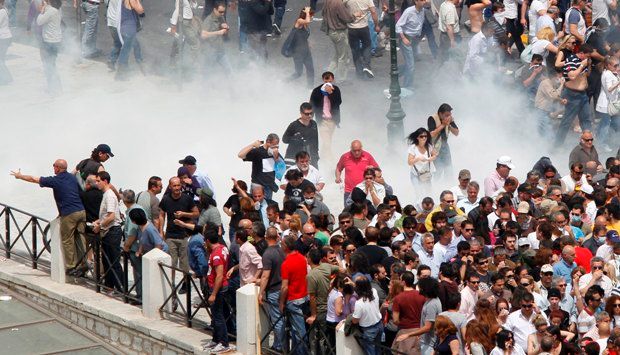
[(609, 93), (420, 158), (5, 42)]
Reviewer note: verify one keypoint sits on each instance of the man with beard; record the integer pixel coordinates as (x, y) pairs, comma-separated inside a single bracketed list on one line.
[(309, 172)]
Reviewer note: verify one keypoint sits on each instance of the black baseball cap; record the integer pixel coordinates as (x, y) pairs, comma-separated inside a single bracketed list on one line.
[(188, 160), (104, 148)]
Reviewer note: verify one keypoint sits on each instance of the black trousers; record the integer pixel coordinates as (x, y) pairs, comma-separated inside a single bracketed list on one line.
[(514, 27), (359, 40), (111, 255)]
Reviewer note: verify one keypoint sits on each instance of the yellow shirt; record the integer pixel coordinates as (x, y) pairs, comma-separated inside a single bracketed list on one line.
[(429, 225)]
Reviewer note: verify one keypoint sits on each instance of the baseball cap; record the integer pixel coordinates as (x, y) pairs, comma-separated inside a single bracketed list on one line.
[(523, 207), (547, 205), (546, 268), (613, 236), (183, 171), (204, 191), (587, 188), (464, 174), (505, 160), (104, 148), (188, 160), (524, 242)]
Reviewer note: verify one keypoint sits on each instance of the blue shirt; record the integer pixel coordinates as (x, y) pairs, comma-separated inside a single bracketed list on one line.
[(410, 22), (132, 229), (150, 238), (561, 268), (197, 256), (66, 192)]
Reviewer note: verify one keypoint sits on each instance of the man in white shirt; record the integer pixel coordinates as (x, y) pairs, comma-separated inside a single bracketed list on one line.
[(476, 52), (548, 19), (310, 173), (520, 322), (460, 191), (409, 30), (537, 8), (595, 277), (572, 183), (374, 191), (443, 250), (472, 200), (469, 296), (427, 256), (448, 25), (109, 227)]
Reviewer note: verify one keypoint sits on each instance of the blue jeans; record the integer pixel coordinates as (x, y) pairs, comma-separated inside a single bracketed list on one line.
[(408, 52), (123, 57), (268, 192), (544, 123), (89, 36), (279, 15), (298, 324), (373, 34), (49, 53), (427, 30), (370, 337), (276, 319), (136, 263), (117, 45), (443, 163), (607, 123), (220, 331), (577, 105), (10, 7)]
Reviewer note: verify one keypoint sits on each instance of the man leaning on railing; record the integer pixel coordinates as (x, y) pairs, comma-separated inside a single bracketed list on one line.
[(71, 211)]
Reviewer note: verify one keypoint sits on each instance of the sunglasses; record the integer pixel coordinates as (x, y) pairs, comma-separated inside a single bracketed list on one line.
[(527, 305), (525, 284), (474, 282), (562, 285), (483, 262), (309, 234), (597, 267), (449, 201), (349, 251), (547, 273), (617, 305), (588, 140), (308, 113), (596, 300), (610, 187), (469, 229)]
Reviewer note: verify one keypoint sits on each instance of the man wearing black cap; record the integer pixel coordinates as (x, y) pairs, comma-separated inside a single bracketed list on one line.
[(93, 165), (199, 178)]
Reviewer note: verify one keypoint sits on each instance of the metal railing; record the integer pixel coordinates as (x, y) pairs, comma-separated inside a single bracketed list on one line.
[(184, 309), (32, 232)]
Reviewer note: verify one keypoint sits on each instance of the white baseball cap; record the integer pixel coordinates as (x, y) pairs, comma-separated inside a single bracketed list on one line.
[(506, 160)]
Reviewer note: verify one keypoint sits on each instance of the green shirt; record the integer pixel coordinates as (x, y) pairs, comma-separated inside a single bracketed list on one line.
[(319, 279)]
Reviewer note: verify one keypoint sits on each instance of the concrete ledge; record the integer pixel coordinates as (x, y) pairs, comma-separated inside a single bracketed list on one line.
[(120, 324)]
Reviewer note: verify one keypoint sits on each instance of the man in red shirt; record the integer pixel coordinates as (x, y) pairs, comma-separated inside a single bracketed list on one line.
[(218, 286), (353, 163), (294, 292), (407, 312)]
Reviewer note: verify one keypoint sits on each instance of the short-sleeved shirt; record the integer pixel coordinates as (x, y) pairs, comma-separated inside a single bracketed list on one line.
[(219, 256), (574, 17), (430, 310), (263, 166), (295, 194), (150, 238), (354, 168), (234, 205), (66, 192), (170, 205), (212, 24), (409, 305), (150, 204), (367, 311), (448, 16), (295, 270), (318, 284), (212, 215), (272, 260), (109, 203), (363, 6)]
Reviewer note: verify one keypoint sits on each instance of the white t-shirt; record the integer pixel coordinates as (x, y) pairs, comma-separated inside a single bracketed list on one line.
[(533, 14), (510, 9), (600, 9), (540, 47), (363, 6), (545, 21), (367, 312), (421, 166), (568, 184), (608, 79), (109, 203)]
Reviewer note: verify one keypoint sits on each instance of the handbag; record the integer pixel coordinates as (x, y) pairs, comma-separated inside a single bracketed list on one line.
[(425, 176), (289, 44)]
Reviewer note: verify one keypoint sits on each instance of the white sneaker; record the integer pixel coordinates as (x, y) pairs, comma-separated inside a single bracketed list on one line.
[(211, 344), (219, 349), (369, 73)]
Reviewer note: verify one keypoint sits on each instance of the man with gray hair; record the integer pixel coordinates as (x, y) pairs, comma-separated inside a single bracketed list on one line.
[(132, 242), (565, 266), (71, 210), (263, 155), (595, 277), (472, 200), (548, 19)]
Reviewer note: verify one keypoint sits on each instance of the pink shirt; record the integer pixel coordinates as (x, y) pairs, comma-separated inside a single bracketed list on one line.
[(493, 183), (249, 262), (354, 169)]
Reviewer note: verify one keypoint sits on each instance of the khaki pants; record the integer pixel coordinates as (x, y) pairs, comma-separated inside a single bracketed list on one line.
[(342, 57), (178, 253), (72, 233), (326, 132)]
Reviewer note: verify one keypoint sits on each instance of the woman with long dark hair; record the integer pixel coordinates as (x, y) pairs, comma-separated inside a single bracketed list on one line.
[(420, 157), (368, 316), (505, 344), (301, 49)]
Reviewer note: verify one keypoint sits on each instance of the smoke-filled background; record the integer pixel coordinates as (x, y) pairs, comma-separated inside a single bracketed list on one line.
[(151, 123)]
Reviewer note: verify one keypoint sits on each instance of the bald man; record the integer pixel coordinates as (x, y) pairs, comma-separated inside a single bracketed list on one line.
[(353, 162), (585, 152), (71, 212)]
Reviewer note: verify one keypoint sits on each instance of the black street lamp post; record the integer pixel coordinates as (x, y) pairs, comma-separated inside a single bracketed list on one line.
[(396, 114)]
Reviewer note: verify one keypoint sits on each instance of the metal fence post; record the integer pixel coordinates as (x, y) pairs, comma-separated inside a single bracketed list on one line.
[(7, 231), (125, 277), (97, 262), (35, 224), (188, 299)]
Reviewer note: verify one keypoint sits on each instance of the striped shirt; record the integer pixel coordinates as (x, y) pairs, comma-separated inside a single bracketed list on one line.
[(571, 63)]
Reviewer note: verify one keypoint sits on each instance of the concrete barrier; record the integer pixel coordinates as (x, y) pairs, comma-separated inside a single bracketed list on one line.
[(155, 289), (58, 254), (247, 322), (346, 345)]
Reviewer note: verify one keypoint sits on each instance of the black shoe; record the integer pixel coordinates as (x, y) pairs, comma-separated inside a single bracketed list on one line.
[(135, 302), (183, 289), (276, 30)]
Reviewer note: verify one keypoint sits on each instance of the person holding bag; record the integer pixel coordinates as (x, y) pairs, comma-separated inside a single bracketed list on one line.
[(608, 103), (421, 155)]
